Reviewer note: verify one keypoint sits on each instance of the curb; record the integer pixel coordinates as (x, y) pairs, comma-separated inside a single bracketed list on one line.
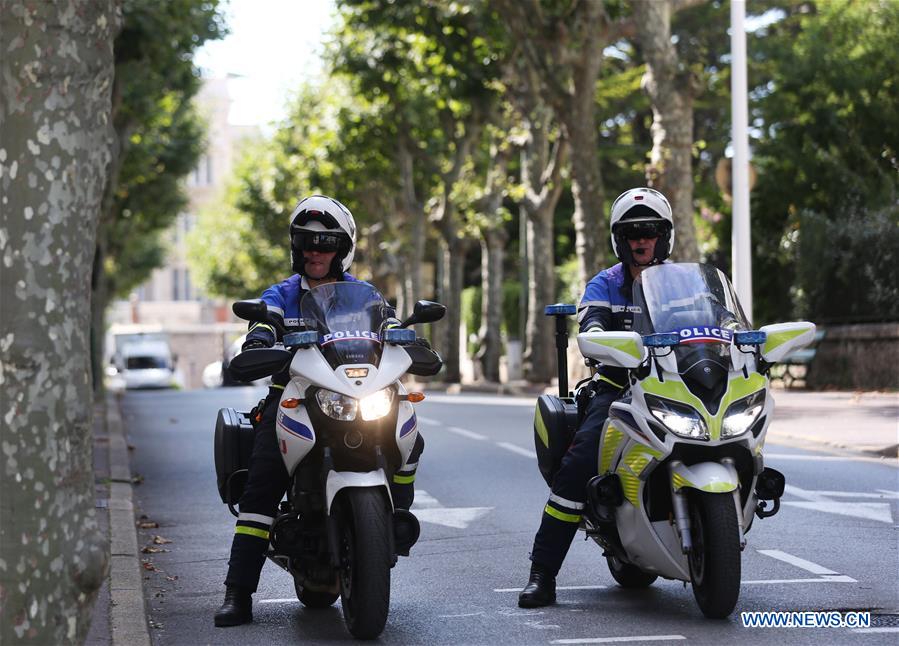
[(128, 616)]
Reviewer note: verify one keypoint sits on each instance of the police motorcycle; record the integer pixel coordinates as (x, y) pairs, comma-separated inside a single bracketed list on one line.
[(681, 471), (345, 425)]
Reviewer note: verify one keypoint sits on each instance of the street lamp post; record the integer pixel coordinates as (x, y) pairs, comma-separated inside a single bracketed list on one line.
[(741, 251)]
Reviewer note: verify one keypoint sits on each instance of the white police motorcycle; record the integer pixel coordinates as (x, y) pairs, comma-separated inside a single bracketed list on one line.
[(345, 425), (681, 472)]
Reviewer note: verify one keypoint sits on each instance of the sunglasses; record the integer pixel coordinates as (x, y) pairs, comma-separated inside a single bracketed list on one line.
[(317, 241), (641, 230)]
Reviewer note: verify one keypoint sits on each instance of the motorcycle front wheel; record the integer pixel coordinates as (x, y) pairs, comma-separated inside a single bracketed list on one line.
[(715, 557), (365, 560)]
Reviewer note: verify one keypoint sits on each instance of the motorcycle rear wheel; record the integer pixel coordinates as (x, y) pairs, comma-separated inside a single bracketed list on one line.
[(715, 557), (365, 561), (628, 575)]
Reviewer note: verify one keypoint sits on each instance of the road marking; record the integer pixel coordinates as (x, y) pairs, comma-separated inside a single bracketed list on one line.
[(427, 420), (561, 587), (859, 494), (802, 564), (517, 449), (429, 510), (831, 458), (819, 501), (466, 433), (837, 578), (879, 511), (470, 614), (880, 629), (618, 640), (294, 600)]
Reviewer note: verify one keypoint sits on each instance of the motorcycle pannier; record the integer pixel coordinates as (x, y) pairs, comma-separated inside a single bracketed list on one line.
[(555, 422), (233, 445)]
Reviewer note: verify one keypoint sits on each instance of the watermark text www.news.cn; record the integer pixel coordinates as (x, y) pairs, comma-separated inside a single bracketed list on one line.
[(807, 619)]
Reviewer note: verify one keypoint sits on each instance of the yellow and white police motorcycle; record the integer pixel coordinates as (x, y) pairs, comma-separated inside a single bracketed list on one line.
[(681, 471), (345, 425)]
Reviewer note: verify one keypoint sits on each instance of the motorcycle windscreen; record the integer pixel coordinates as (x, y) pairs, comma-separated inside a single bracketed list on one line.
[(348, 318), (698, 303)]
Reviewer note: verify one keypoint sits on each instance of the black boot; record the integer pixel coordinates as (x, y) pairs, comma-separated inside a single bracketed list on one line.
[(540, 590), (237, 608)]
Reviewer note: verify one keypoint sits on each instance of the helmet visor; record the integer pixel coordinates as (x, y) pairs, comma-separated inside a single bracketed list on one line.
[(323, 241), (642, 230)]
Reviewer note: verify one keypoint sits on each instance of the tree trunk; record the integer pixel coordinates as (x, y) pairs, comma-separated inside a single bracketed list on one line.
[(538, 364), (493, 251), (671, 93), (454, 251), (55, 130), (590, 226), (416, 217)]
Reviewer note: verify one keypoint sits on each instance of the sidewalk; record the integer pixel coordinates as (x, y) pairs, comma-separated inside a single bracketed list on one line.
[(119, 616)]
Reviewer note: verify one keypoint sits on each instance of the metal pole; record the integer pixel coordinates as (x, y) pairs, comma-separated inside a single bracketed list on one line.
[(741, 247)]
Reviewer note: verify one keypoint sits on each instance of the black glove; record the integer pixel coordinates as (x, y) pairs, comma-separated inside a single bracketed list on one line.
[(253, 344)]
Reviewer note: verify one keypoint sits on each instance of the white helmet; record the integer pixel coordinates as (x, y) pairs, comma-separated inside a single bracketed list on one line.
[(644, 212), (323, 223)]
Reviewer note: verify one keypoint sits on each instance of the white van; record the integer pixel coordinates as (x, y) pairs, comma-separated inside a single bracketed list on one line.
[(146, 364)]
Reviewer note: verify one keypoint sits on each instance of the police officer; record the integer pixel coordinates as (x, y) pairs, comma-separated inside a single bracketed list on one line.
[(322, 244), (642, 231)]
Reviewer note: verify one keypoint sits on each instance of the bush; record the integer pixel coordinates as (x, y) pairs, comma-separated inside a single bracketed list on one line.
[(846, 270)]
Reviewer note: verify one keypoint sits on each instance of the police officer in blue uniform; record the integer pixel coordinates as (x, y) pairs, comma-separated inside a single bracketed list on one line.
[(642, 231), (322, 245)]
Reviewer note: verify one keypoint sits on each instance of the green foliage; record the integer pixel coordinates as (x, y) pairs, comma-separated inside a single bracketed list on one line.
[(160, 134), (471, 315), (847, 267), (830, 144), (568, 287), (511, 308)]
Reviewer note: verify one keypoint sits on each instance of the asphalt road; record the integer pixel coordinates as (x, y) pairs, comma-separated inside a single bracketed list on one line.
[(833, 546)]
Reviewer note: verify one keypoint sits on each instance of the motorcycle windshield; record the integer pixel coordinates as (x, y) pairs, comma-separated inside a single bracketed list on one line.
[(698, 303), (347, 317)]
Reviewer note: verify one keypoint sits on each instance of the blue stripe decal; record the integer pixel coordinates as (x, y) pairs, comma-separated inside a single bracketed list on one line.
[(294, 427), (408, 426)]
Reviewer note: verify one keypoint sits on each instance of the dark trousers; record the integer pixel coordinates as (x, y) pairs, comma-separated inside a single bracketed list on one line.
[(267, 482), (562, 513)]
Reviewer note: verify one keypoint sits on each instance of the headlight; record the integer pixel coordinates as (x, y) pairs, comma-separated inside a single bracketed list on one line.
[(377, 404), (680, 419), (337, 406), (741, 415)]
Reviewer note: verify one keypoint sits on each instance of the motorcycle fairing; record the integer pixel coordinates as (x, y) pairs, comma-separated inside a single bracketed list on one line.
[(310, 366), (674, 388), (294, 447), (711, 477)]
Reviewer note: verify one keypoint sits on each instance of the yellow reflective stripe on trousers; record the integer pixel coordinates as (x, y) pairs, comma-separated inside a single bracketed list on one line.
[(561, 515), (251, 531), (404, 479)]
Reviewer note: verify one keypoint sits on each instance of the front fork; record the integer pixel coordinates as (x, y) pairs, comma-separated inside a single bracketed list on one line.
[(681, 509)]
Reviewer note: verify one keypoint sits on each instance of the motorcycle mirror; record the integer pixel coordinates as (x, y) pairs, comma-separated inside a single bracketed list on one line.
[(425, 312), (251, 310)]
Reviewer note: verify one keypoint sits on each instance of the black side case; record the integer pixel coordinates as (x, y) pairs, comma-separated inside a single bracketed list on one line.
[(234, 437), (558, 418)]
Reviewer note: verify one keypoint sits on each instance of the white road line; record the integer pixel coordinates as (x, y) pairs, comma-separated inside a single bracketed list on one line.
[(619, 640), (561, 587), (880, 629), (517, 449), (428, 420), (831, 578), (277, 600), (808, 566), (464, 432), (884, 494), (827, 458)]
